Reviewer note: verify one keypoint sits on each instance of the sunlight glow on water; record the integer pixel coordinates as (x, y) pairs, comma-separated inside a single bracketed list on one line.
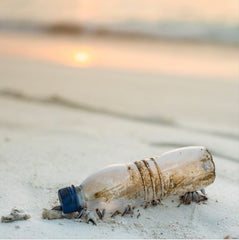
[(82, 57), (180, 60), (76, 57)]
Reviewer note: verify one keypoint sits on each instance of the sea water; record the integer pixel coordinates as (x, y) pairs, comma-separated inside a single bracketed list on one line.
[(181, 19)]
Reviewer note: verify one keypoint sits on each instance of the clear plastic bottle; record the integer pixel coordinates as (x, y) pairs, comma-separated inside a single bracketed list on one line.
[(145, 181)]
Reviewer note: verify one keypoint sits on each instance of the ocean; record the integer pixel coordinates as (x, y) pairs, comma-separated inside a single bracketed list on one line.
[(204, 21)]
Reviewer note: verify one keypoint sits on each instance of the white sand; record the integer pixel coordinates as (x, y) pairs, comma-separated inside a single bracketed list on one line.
[(119, 116)]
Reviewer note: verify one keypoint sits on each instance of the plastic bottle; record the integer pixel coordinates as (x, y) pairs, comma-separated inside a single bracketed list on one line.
[(145, 181)]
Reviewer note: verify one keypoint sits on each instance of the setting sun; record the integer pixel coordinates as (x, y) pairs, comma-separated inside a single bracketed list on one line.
[(79, 57), (82, 57)]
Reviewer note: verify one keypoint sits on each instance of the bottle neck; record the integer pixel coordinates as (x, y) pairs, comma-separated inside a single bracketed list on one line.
[(72, 199), (81, 197)]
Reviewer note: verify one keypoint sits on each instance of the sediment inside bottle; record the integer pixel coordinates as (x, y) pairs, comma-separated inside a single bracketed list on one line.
[(150, 179)]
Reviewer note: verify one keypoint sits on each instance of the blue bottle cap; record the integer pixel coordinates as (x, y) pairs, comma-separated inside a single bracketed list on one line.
[(68, 199)]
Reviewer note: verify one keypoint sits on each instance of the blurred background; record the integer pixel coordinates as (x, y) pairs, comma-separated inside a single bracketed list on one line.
[(180, 20), (171, 63)]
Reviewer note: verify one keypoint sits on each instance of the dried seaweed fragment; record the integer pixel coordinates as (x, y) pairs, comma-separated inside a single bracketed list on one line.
[(15, 215)]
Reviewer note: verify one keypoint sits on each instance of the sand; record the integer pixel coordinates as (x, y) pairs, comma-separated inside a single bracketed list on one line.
[(59, 124)]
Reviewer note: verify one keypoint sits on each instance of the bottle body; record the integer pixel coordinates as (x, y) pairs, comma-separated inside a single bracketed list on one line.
[(176, 172)]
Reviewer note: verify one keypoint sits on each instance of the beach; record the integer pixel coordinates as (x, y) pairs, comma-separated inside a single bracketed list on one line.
[(72, 105)]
